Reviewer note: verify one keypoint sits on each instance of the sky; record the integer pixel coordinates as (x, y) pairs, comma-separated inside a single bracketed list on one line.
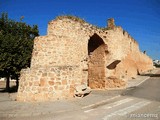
[(140, 18)]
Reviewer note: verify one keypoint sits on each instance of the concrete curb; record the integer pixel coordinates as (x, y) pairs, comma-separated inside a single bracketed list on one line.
[(143, 81)]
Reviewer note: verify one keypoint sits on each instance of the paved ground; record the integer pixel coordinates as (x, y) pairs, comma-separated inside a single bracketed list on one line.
[(122, 108), (150, 89), (99, 104)]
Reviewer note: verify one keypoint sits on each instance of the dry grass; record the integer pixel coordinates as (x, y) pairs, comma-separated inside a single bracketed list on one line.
[(75, 18), (78, 19)]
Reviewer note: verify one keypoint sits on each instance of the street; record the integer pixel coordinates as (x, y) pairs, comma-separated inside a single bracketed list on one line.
[(142, 102), (135, 103)]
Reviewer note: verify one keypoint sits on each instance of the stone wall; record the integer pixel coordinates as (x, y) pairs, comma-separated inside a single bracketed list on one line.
[(97, 70), (49, 83), (75, 52), (124, 49)]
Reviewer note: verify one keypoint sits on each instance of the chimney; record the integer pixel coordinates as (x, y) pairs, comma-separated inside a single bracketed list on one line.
[(111, 24)]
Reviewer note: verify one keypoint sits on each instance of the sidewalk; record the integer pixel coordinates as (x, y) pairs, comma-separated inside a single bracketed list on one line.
[(140, 78), (10, 108)]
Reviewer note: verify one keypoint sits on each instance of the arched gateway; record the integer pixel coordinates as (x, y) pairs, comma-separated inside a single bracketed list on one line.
[(96, 64)]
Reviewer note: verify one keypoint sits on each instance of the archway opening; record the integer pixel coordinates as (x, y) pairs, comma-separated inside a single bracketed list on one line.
[(96, 64), (94, 42)]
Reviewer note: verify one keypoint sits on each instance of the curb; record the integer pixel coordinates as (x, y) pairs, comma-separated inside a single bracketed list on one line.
[(153, 72), (142, 81), (137, 84)]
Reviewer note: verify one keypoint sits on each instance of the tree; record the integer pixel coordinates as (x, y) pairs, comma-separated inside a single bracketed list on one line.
[(16, 44)]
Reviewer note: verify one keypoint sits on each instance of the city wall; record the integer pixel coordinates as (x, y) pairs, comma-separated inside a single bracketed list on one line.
[(74, 53)]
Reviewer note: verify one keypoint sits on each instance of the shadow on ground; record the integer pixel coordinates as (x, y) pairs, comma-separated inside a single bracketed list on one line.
[(13, 89), (151, 75)]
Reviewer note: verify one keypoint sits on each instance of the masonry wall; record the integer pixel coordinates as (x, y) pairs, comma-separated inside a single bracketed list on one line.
[(61, 61), (58, 65), (97, 70), (48, 83), (125, 49)]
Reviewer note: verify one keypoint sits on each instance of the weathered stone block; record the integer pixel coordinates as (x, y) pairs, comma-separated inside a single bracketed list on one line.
[(36, 83), (43, 82), (51, 83), (64, 82)]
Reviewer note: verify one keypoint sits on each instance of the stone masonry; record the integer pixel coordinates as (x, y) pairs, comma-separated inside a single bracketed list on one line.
[(75, 52)]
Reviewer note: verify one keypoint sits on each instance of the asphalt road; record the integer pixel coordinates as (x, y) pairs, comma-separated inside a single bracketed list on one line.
[(123, 108), (150, 89), (136, 103)]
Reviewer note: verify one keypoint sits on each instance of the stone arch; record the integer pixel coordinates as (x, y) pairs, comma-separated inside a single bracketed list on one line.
[(96, 63)]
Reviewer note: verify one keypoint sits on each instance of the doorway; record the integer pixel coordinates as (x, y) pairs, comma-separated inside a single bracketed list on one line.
[(96, 64)]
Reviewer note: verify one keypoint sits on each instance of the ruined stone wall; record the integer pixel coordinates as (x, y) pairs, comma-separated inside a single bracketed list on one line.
[(58, 64), (61, 60), (49, 83), (132, 61)]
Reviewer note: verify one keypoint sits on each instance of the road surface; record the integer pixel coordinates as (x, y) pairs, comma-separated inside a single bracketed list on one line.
[(136, 103)]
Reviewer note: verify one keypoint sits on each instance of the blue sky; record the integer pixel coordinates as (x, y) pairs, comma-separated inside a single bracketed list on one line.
[(141, 18)]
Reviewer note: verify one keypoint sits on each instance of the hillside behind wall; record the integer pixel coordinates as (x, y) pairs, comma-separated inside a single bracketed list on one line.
[(60, 60)]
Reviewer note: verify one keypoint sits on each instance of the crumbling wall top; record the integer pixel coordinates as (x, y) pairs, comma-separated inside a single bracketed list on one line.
[(111, 23), (82, 22)]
